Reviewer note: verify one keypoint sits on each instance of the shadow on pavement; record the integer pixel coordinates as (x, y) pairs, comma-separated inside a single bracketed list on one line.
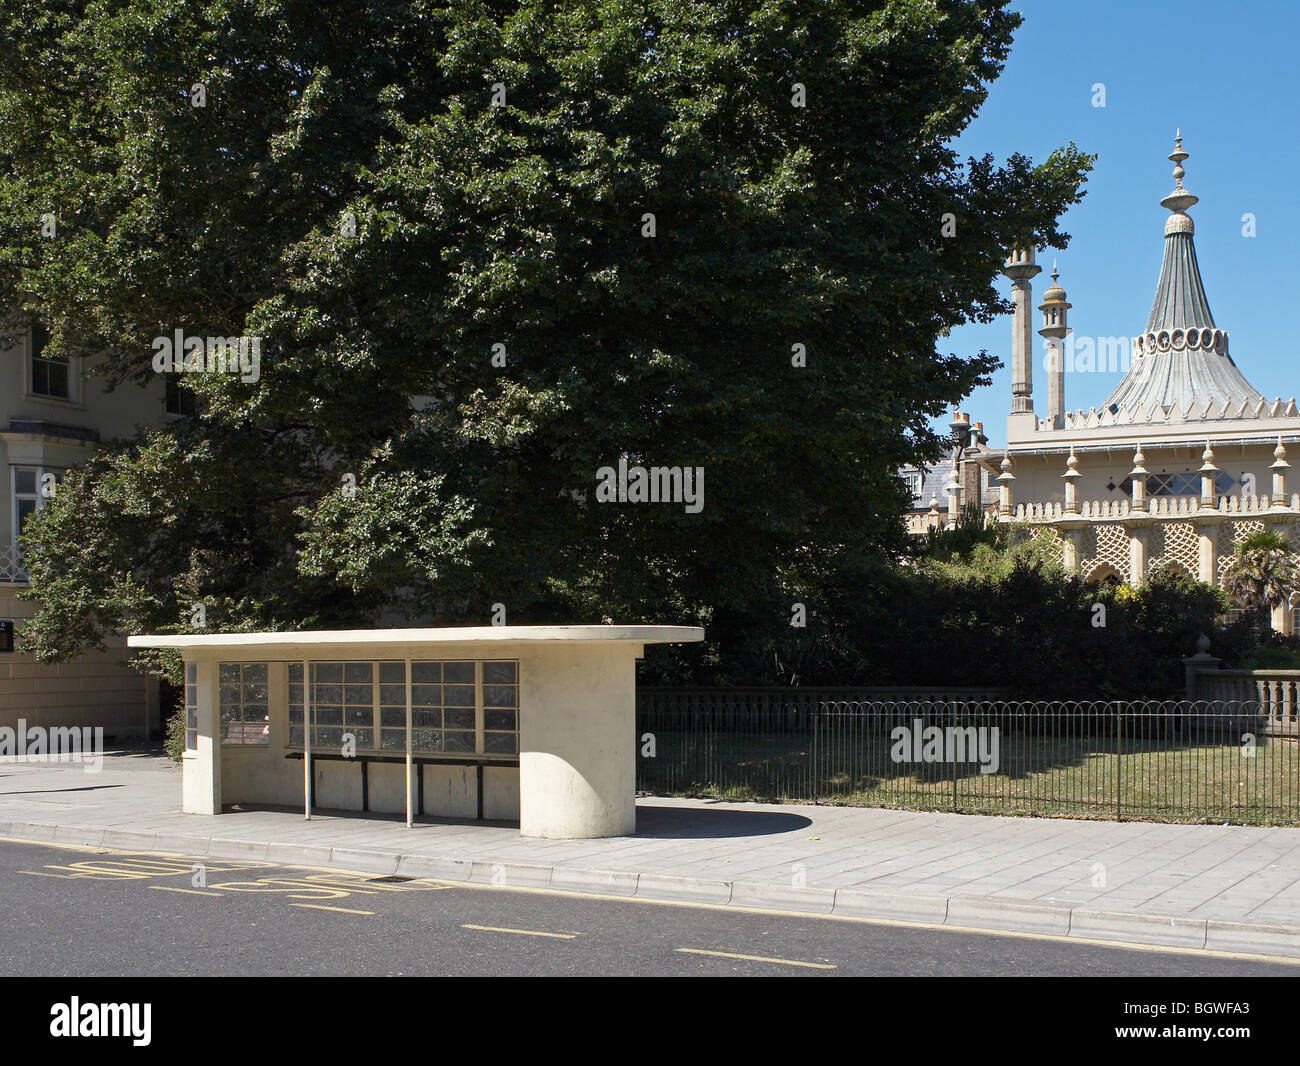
[(327, 813), (686, 822)]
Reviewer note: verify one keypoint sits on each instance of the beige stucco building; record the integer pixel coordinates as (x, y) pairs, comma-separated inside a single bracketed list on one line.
[(1182, 460), (53, 416)]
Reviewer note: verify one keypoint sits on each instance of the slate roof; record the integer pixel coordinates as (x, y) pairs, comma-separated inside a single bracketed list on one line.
[(934, 483)]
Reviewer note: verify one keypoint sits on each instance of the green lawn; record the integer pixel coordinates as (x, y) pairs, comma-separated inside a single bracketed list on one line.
[(1092, 777)]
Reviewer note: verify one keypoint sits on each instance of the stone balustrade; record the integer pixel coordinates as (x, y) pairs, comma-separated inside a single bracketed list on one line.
[(1277, 692), (1157, 507)]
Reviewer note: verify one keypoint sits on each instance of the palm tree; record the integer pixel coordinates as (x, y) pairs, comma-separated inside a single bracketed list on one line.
[(1263, 573)]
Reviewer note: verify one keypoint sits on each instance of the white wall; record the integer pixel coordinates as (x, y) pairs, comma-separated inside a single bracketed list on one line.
[(1038, 480), (577, 764)]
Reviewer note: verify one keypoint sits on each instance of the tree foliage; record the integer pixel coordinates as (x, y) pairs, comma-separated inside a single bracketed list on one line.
[(384, 193), (973, 527), (1263, 572)]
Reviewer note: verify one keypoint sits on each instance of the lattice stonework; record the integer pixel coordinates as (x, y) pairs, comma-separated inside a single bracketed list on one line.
[(1088, 550), (1109, 547), (1177, 544), (1230, 534)]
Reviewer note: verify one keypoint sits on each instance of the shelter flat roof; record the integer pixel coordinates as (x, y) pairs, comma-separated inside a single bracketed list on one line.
[(339, 638)]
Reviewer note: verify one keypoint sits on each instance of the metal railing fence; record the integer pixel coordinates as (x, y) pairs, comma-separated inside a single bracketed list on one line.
[(1182, 761)]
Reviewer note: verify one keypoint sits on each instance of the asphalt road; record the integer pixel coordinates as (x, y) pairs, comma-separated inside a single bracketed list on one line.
[(87, 912)]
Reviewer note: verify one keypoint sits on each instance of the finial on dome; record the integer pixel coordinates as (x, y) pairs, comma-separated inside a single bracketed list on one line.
[(1054, 292), (1180, 199), (1176, 157)]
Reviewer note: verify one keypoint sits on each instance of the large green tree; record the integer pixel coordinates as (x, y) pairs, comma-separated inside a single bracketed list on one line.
[(640, 208)]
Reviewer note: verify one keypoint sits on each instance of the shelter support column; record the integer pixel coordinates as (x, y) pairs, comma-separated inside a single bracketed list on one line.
[(201, 768), (577, 741)]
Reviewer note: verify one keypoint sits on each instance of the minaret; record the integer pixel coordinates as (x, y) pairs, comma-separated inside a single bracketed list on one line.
[(1054, 329), (1021, 269)]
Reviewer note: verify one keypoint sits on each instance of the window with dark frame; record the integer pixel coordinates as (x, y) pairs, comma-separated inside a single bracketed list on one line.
[(458, 707), (26, 499), (50, 376), (180, 401), (1185, 484), (28, 494), (191, 707), (242, 703)]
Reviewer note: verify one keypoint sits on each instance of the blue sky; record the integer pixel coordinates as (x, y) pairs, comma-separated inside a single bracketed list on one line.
[(1224, 73)]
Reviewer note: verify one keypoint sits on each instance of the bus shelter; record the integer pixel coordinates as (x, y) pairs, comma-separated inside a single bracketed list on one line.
[(534, 723)]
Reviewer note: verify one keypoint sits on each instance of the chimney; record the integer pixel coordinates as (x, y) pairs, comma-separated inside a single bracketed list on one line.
[(971, 478), (960, 426)]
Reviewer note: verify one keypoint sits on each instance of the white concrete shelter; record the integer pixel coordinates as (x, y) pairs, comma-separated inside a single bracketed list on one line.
[(530, 722)]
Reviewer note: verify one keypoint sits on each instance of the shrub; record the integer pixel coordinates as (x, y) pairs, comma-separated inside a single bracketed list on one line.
[(1268, 658), (174, 738), (998, 614)]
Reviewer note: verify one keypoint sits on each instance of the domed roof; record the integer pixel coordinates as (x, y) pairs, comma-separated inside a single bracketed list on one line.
[(1054, 293), (1181, 361)]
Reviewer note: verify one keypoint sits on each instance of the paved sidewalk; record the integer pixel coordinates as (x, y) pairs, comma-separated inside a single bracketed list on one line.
[(1218, 887)]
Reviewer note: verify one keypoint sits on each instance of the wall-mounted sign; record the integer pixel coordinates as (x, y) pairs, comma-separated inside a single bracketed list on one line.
[(6, 635)]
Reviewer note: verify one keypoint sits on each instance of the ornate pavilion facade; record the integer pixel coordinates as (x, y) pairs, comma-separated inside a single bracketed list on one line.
[(1182, 460)]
